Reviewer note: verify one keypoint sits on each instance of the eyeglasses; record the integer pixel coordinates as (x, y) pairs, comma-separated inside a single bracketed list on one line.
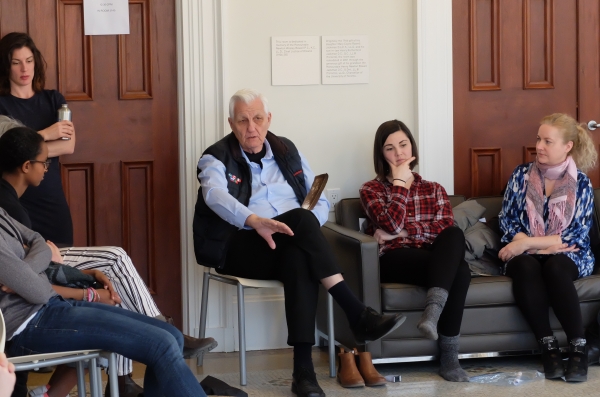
[(46, 163)]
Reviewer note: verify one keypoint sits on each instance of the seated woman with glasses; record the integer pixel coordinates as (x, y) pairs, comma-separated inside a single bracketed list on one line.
[(40, 320), (23, 163)]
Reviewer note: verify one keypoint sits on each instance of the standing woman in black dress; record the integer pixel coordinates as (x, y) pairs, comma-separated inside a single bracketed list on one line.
[(23, 97)]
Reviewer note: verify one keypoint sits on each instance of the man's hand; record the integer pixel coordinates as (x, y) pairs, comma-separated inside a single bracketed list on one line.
[(56, 256), (265, 227)]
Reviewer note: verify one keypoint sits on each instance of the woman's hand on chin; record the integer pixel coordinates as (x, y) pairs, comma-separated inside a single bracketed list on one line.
[(401, 171)]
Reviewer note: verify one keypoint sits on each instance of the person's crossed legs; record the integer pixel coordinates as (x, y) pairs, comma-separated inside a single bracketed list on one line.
[(301, 262)]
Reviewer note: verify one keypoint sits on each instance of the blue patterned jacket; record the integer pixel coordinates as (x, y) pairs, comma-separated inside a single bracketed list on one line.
[(514, 219)]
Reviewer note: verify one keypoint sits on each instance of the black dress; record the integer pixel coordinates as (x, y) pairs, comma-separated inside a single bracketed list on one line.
[(46, 203)]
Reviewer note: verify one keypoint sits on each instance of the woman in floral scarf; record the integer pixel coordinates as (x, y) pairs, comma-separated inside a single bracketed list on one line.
[(546, 217)]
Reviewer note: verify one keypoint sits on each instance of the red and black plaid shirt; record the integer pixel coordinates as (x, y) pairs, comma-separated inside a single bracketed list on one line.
[(424, 211)]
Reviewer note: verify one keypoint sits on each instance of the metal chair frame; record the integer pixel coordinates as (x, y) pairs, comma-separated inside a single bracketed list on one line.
[(34, 361), (241, 284)]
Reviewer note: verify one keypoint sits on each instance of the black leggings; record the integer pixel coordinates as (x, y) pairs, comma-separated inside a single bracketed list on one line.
[(543, 281), (440, 264)]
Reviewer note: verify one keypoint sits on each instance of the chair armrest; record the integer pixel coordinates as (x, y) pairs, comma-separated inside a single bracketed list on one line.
[(358, 259)]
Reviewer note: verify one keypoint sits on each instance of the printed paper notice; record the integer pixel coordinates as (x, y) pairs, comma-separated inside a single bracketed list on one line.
[(102, 17), (295, 60), (345, 59)]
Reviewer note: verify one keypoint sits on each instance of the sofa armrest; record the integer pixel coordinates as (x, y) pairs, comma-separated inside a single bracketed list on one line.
[(358, 258)]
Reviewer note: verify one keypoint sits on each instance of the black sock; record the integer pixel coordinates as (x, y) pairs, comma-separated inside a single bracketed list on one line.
[(303, 357), (348, 301)]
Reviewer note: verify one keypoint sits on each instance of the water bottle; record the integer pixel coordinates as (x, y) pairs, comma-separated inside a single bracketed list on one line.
[(64, 113)]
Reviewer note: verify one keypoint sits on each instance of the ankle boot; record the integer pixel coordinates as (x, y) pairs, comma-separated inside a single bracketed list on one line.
[(348, 375), (577, 366), (127, 387), (551, 358), (592, 339), (367, 370)]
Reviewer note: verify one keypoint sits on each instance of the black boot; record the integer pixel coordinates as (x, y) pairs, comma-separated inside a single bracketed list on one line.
[(304, 383), (577, 366), (592, 337), (372, 325), (127, 387), (551, 358)]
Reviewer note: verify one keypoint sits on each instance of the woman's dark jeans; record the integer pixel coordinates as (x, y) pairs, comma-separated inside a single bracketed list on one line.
[(63, 325)]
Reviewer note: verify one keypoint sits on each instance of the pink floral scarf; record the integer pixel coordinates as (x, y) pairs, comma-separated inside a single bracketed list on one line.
[(561, 204)]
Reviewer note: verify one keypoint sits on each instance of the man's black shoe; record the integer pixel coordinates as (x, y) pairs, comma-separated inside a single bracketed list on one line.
[(305, 384), (372, 325)]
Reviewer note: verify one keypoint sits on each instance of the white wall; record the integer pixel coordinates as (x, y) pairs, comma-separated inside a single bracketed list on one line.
[(333, 125), (224, 45)]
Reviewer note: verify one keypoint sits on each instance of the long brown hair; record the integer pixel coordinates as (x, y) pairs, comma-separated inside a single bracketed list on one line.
[(14, 41), (382, 168)]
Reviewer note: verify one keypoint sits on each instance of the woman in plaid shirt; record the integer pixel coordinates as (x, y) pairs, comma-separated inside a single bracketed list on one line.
[(412, 220)]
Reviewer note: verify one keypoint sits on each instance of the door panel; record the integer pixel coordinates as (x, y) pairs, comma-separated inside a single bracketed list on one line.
[(122, 182), (589, 70), (515, 61)]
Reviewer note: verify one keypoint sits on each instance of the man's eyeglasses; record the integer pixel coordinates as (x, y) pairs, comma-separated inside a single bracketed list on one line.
[(46, 163)]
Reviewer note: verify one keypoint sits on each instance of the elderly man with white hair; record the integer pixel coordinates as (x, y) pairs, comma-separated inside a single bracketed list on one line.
[(248, 223)]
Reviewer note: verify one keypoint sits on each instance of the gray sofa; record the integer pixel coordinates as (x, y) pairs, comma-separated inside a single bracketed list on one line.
[(492, 324)]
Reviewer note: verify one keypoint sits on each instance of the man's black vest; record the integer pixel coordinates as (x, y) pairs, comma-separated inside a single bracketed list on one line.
[(211, 232)]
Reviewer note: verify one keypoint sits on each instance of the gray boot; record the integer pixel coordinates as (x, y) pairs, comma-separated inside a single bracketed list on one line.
[(434, 304), (450, 368)]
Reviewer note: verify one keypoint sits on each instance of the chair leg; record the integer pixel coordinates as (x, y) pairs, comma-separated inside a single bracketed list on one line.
[(330, 336), (99, 384), (80, 379), (113, 375), (93, 378), (242, 333), (203, 309)]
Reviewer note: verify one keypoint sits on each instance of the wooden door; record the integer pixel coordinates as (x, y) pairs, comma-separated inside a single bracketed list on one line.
[(122, 182), (589, 70), (515, 61)]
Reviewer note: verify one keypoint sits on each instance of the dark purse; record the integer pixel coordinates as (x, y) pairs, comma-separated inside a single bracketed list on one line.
[(67, 276)]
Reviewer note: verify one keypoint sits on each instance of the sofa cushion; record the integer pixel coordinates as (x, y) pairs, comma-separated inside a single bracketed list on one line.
[(483, 291)]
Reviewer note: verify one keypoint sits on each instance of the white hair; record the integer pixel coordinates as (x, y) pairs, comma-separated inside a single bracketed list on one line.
[(247, 95), (8, 123)]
